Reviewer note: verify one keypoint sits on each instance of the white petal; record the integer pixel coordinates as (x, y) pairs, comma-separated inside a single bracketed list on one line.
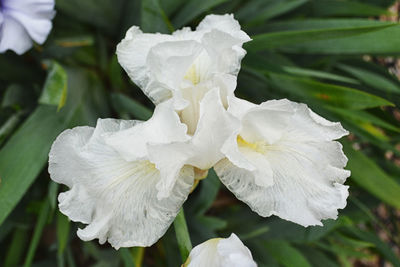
[(214, 127), (132, 54), (221, 252), (193, 95), (168, 63), (239, 107), (115, 197), (162, 65), (34, 15), (225, 50), (297, 149), (225, 23), (14, 36), (162, 128), (202, 150)]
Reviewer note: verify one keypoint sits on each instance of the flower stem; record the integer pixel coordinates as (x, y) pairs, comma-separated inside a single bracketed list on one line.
[(138, 253), (182, 235)]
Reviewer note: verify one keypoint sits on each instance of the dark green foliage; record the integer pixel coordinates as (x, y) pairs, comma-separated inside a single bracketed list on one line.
[(334, 55)]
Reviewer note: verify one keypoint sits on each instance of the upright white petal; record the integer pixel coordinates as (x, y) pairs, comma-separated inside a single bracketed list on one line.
[(283, 161), (224, 23), (115, 197), (221, 252), (187, 64), (33, 16)]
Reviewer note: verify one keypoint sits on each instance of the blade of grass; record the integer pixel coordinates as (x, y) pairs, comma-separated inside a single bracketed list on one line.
[(182, 235), (37, 233)]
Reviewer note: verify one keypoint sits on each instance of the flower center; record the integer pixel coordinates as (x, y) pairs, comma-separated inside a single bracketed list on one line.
[(192, 75), (199, 69), (196, 84)]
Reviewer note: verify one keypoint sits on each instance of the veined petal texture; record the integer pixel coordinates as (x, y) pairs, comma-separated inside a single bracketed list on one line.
[(116, 197), (284, 161), (24, 21), (221, 252)]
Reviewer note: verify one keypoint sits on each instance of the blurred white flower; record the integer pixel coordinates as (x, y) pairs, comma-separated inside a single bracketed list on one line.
[(22, 21), (221, 252)]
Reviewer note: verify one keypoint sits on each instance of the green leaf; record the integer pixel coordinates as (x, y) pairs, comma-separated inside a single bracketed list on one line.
[(255, 12), (208, 190), (26, 152), (318, 258), (192, 9), (17, 247), (371, 177), (302, 24), (361, 116), (318, 74), (52, 194), (334, 95), (153, 17), (126, 257), (63, 228), (8, 127), (55, 88), (327, 8), (17, 97), (37, 232), (100, 13), (182, 235), (268, 41), (367, 42), (380, 246), (201, 225), (372, 79), (128, 106), (285, 254)]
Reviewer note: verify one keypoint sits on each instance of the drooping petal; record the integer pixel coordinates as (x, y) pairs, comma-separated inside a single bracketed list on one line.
[(221, 252), (115, 197), (14, 36), (284, 162), (162, 128), (33, 15), (202, 150)]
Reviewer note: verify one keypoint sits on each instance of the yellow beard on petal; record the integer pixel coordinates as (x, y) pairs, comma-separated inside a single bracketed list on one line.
[(259, 147)]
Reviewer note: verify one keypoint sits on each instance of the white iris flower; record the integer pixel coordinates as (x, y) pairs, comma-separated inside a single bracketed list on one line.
[(221, 252), (22, 21), (128, 179)]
